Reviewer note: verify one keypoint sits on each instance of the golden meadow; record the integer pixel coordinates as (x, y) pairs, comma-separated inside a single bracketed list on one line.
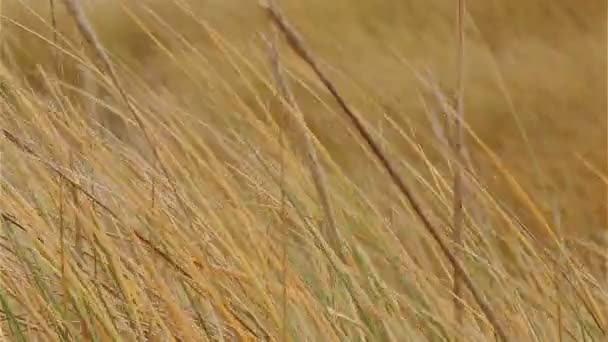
[(176, 170)]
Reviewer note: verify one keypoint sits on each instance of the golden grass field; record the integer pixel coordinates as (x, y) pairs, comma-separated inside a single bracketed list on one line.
[(206, 184)]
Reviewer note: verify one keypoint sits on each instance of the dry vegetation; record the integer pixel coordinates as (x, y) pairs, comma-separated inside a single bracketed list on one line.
[(211, 187)]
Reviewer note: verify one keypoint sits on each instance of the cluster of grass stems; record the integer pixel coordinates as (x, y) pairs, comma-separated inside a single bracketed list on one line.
[(131, 217)]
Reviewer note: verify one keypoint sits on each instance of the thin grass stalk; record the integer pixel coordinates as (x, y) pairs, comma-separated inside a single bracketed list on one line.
[(62, 237), (53, 20), (605, 237), (297, 44), (276, 68), (458, 145), (89, 86), (556, 272), (331, 232), (54, 52)]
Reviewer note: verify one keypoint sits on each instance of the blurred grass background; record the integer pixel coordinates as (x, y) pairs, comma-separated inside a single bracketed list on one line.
[(535, 74), (535, 96)]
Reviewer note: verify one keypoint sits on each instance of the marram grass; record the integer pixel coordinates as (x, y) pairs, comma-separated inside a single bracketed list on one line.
[(176, 170)]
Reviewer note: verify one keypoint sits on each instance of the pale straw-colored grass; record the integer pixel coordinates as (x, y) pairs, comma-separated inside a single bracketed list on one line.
[(207, 215)]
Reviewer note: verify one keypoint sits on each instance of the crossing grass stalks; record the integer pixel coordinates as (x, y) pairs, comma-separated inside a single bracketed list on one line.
[(190, 218)]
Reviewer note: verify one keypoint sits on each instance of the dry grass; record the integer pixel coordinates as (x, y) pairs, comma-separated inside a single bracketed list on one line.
[(171, 199)]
